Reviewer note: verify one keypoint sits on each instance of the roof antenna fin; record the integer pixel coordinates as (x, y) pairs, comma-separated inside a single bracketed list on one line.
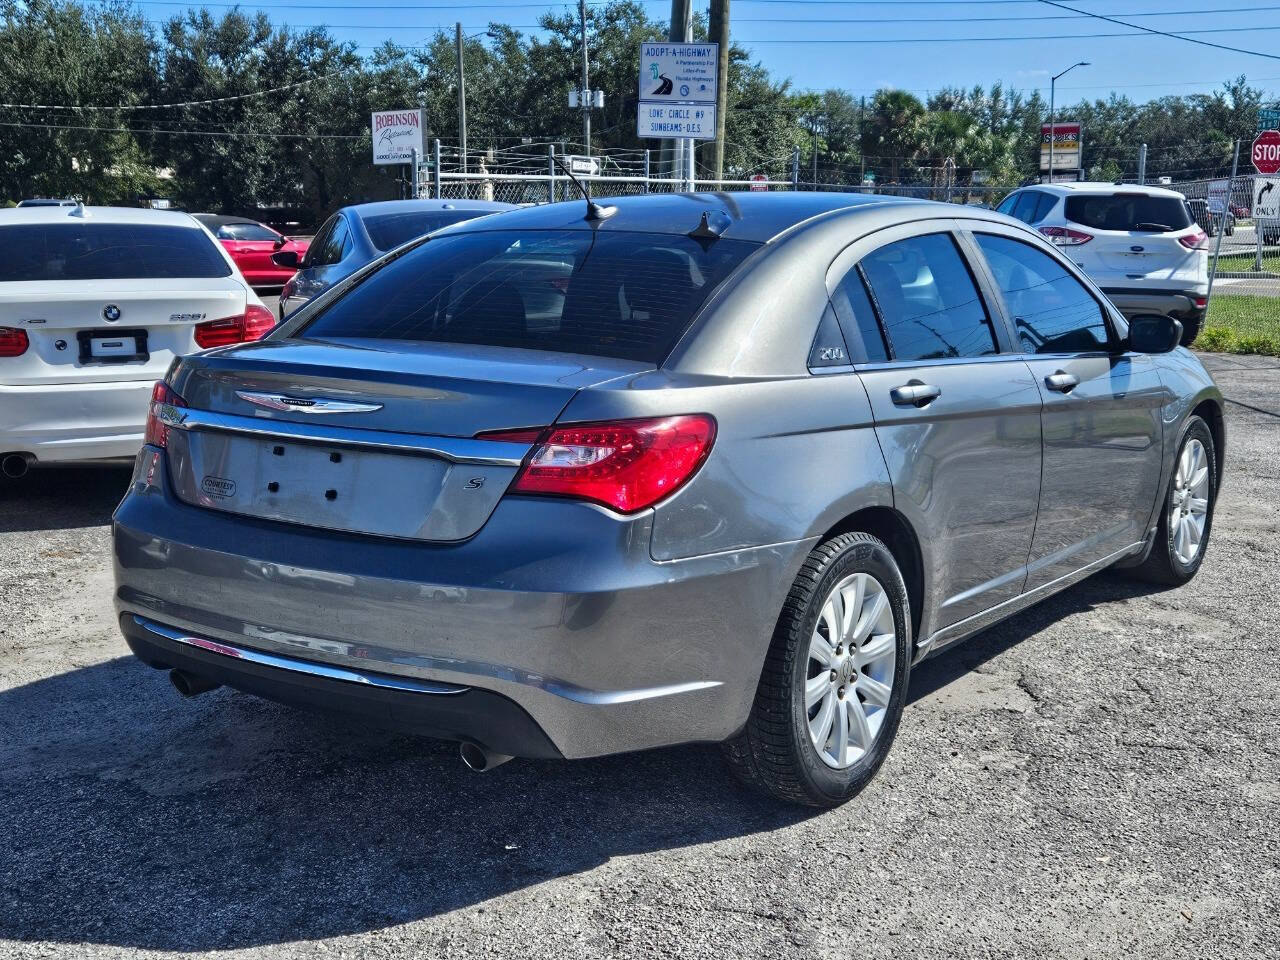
[(595, 212), (78, 210), (710, 227)]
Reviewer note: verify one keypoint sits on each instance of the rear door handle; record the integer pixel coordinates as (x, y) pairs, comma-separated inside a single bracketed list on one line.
[(1061, 381), (915, 393)]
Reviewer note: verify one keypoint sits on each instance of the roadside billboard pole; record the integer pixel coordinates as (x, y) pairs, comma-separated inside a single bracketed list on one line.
[(1222, 225)]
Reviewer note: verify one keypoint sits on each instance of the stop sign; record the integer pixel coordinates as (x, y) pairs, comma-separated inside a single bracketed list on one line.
[(1266, 151)]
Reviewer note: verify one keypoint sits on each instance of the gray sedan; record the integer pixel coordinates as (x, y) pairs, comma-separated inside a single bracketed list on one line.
[(580, 480)]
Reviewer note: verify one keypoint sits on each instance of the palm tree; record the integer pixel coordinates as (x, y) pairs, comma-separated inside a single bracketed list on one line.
[(894, 129)]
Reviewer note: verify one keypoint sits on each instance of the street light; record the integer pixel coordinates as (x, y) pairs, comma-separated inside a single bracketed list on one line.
[(462, 93), (1052, 112)]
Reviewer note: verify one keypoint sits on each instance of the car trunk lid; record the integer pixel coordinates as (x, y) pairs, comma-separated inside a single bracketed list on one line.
[(373, 437), (99, 331)]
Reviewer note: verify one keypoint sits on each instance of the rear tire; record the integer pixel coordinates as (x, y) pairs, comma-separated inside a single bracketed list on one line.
[(1186, 519), (825, 713), (1191, 330)]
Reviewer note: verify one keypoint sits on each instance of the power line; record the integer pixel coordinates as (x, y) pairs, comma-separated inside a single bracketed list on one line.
[(187, 133), (166, 106), (1163, 33)]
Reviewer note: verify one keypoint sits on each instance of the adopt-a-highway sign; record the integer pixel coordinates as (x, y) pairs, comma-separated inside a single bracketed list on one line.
[(681, 72), (676, 121)]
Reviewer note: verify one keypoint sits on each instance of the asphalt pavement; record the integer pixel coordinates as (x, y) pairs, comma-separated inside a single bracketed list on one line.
[(1097, 777)]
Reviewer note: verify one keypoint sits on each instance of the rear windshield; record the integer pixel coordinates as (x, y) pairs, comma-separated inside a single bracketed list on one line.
[(107, 251), (389, 230), (623, 295), (1130, 211)]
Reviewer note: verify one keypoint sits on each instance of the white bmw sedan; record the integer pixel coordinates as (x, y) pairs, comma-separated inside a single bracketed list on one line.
[(94, 304)]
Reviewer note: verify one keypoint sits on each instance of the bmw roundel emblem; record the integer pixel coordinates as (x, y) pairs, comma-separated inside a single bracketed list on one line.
[(111, 313)]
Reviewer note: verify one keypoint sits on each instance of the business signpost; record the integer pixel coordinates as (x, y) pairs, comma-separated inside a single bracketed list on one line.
[(677, 95), (397, 139), (1064, 143)]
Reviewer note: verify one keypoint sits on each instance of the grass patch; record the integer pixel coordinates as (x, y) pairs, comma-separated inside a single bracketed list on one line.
[(1244, 262), (1242, 325)]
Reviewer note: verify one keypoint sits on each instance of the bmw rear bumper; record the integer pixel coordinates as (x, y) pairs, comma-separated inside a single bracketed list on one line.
[(555, 607), (74, 421)]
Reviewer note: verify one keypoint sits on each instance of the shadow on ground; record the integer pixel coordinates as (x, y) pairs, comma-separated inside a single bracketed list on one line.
[(61, 498), (136, 819)]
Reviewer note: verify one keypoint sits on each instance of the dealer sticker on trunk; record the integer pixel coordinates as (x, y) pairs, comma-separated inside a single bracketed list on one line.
[(218, 487)]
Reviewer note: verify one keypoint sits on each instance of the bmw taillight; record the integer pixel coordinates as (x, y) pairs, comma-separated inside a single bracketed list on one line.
[(254, 324), (626, 465), (13, 342), (1065, 236), (164, 403), (1195, 241)]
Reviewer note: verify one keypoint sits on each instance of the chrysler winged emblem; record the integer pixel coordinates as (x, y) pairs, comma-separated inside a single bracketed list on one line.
[(278, 401)]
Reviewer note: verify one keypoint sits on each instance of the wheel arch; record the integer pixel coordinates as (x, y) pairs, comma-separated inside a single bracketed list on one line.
[(887, 524), (1210, 411)]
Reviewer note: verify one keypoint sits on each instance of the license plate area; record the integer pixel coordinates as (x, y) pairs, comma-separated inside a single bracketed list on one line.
[(113, 346), (337, 487)]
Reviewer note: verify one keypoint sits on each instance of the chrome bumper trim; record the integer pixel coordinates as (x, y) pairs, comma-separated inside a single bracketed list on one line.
[(456, 449), (308, 667)]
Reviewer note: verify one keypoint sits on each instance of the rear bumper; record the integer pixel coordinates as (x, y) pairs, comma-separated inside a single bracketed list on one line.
[(1179, 304), (555, 606), (74, 421), (437, 710)]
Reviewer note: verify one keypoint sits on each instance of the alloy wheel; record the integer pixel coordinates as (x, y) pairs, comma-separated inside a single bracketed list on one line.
[(852, 659), (1190, 509)]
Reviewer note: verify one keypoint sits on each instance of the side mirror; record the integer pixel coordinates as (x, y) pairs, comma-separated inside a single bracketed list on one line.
[(1154, 333), (280, 242), (286, 258)]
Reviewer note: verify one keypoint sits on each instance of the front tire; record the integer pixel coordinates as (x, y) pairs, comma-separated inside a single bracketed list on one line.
[(1186, 519), (835, 679), (1191, 330)]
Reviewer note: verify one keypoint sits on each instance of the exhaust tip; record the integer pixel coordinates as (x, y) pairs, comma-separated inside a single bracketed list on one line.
[(190, 684), (478, 759), (15, 465)]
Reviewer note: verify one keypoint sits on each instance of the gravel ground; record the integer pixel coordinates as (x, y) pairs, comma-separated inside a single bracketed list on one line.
[(1099, 776)]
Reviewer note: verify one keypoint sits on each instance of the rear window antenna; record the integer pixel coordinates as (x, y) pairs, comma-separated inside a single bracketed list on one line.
[(595, 212)]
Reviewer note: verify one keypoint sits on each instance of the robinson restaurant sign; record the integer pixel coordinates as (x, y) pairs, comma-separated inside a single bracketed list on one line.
[(396, 134)]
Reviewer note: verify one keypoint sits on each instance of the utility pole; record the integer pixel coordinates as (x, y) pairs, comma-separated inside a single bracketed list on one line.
[(586, 82), (1222, 224), (462, 106), (1142, 164), (672, 161), (718, 27)]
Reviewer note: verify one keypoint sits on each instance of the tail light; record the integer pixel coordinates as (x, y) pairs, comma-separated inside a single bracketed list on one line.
[(1195, 241), (254, 324), (13, 342), (626, 465), (163, 403), (1200, 302), (1065, 236)]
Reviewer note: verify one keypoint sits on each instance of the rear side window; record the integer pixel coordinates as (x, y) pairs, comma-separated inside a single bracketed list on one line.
[(1052, 310), (335, 246), (928, 303), (1129, 211), (624, 295), (245, 231), (389, 230), (107, 251), (853, 307)]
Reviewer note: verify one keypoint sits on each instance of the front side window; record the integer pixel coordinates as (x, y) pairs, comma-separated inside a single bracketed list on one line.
[(108, 251), (928, 302), (602, 293), (1051, 309)]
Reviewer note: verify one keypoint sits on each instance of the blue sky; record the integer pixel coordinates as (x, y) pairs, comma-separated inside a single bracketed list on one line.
[(793, 39)]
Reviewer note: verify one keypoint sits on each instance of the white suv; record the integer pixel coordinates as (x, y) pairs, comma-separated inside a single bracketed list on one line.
[(94, 304), (1141, 245)]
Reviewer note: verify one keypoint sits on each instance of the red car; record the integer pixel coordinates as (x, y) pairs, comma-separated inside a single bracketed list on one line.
[(251, 245)]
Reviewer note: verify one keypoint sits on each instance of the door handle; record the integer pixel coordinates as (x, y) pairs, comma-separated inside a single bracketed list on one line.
[(915, 393), (1061, 381)]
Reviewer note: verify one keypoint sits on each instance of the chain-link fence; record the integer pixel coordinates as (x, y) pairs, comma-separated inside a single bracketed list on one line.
[(1243, 246), (533, 173)]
